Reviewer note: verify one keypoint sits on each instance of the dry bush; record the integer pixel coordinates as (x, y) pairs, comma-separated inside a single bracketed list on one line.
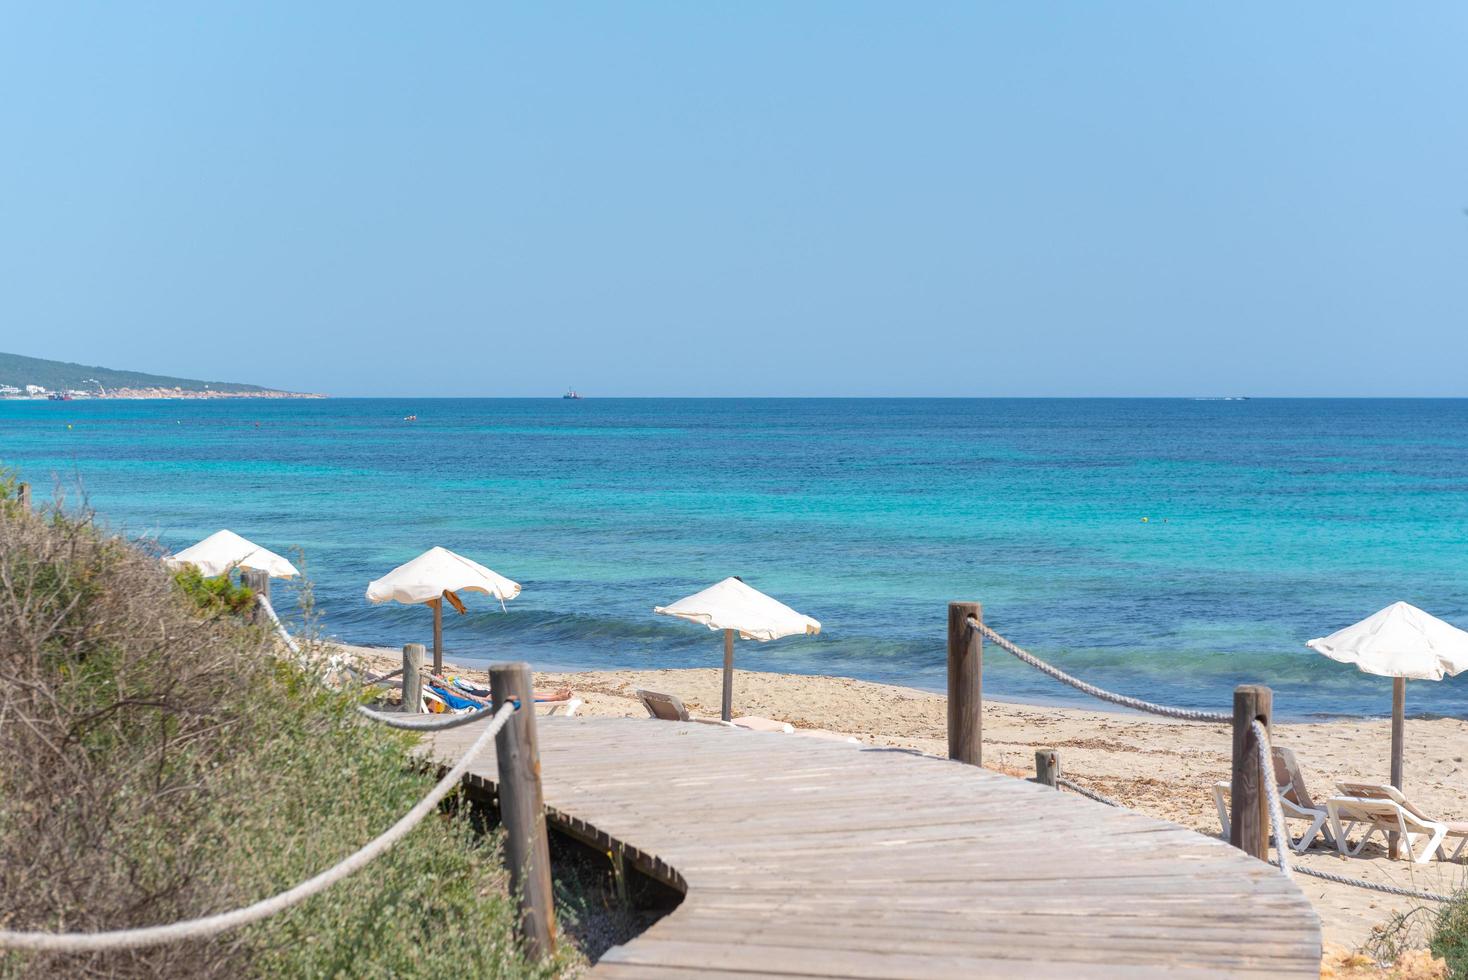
[(159, 762), (116, 701)]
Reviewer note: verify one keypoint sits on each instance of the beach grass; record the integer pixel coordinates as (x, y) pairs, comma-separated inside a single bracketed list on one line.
[(162, 763), (1450, 936)]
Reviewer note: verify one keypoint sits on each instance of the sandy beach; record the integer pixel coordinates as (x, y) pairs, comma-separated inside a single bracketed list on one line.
[(1163, 768)]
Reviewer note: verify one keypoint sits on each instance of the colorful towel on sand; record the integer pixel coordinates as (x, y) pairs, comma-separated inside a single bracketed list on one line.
[(453, 700)]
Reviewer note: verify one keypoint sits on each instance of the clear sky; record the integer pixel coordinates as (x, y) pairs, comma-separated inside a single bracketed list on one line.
[(742, 198)]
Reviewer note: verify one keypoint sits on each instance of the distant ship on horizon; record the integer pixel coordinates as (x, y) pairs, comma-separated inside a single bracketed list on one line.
[(571, 393)]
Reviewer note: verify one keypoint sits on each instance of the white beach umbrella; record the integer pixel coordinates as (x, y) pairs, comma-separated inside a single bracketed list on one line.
[(434, 576), (224, 550), (1399, 642), (734, 607)]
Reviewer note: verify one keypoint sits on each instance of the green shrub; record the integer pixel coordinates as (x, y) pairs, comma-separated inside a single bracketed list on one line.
[(161, 763), (1450, 936), (212, 594)]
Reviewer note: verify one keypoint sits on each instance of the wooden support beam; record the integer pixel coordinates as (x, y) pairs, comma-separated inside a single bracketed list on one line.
[(726, 710), (438, 635), (965, 683), (1249, 825), (522, 809), (1399, 738)]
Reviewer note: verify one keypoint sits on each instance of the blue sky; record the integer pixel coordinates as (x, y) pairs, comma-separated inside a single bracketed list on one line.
[(742, 198)]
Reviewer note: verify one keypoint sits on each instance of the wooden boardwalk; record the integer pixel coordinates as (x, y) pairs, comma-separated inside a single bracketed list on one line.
[(804, 858)]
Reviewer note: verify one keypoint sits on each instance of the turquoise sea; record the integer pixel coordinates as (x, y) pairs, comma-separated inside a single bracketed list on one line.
[(1164, 548)]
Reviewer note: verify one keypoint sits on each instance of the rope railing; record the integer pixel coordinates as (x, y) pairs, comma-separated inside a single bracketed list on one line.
[(264, 601), (212, 925), (1166, 711), (1279, 830), (336, 662), (1088, 793), (1295, 868), (1271, 792), (1373, 886)]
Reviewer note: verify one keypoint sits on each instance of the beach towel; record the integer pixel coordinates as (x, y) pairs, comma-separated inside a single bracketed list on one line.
[(454, 701)]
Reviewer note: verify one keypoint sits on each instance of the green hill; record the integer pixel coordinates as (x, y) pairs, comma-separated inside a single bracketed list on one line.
[(60, 376)]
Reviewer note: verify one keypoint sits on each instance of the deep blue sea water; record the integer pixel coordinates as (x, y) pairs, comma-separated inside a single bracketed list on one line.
[(1268, 522)]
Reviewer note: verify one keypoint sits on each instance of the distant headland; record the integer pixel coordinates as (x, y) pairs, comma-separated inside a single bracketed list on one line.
[(38, 379)]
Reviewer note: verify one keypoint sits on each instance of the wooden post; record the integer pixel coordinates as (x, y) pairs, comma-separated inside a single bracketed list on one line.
[(258, 582), (522, 808), (965, 684), (1249, 826), (23, 494), (413, 654), (727, 711), (438, 636), (1047, 767), (1399, 735)]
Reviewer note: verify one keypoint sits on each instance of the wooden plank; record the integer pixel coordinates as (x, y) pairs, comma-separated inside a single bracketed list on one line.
[(813, 859)]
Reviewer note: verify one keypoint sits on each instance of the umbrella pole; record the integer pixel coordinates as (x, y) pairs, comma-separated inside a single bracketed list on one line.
[(728, 710), (438, 635), (1399, 733)]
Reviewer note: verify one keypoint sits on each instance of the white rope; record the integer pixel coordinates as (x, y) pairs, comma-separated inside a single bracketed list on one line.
[(419, 724), (264, 602), (1271, 792), (1373, 886), (1167, 711), (211, 925), (1090, 793)]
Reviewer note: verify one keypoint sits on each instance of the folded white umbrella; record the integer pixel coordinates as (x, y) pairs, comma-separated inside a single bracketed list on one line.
[(433, 576), (734, 607), (1401, 642), (224, 550)]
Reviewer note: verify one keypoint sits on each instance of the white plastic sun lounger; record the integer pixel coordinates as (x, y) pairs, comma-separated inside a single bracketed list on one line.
[(1384, 809), (566, 709), (1294, 800)]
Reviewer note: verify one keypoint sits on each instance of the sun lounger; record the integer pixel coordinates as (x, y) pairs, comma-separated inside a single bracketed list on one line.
[(566, 709), (1294, 800), (1385, 810), (669, 707)]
